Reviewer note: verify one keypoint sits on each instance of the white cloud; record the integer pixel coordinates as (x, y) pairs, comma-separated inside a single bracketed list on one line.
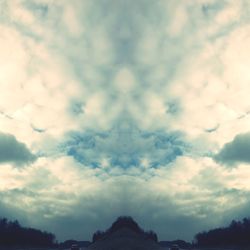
[(124, 80), (37, 76), (213, 89), (180, 18), (71, 20), (231, 14), (19, 14)]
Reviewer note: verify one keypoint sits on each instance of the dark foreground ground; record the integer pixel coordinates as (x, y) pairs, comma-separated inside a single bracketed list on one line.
[(127, 246)]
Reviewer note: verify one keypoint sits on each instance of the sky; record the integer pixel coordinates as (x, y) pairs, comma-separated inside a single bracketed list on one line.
[(124, 107)]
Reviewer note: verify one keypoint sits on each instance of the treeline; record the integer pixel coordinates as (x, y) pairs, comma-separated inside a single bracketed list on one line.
[(124, 222), (236, 234), (13, 234)]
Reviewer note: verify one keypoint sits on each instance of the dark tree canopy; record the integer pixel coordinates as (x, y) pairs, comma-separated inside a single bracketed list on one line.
[(13, 234), (236, 234), (124, 222)]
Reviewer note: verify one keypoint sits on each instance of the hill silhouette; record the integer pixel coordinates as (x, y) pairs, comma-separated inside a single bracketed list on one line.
[(124, 234)]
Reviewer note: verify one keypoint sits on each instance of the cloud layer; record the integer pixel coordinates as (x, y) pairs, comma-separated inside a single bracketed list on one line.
[(124, 107)]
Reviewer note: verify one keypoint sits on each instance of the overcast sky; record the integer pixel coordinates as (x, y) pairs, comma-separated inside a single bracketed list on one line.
[(124, 107)]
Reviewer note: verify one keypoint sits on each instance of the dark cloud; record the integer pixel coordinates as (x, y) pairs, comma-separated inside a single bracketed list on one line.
[(124, 145), (236, 151), (76, 108), (14, 151)]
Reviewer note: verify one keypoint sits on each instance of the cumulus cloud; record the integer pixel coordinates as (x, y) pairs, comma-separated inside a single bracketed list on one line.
[(13, 151), (236, 151)]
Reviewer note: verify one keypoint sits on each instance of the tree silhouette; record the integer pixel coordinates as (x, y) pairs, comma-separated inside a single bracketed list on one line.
[(236, 234), (13, 234)]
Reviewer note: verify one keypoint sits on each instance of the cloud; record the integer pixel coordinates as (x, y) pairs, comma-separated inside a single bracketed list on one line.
[(61, 191), (125, 145), (123, 105), (13, 151), (62, 83), (236, 151)]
